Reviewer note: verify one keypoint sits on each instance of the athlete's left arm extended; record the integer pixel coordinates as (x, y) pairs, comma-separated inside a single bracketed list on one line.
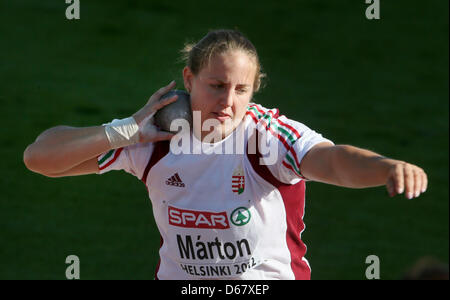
[(353, 167)]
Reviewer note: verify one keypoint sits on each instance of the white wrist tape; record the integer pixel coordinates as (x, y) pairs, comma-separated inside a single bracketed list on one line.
[(122, 133)]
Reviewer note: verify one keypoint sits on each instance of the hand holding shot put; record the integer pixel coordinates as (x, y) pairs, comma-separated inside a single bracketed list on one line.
[(144, 118), (222, 216)]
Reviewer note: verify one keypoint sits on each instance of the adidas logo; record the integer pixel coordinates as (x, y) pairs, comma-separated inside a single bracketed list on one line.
[(175, 180)]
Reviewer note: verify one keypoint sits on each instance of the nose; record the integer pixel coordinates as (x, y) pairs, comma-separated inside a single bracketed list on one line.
[(227, 98)]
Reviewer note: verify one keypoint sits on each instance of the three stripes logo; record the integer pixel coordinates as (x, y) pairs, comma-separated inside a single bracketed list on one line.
[(175, 180)]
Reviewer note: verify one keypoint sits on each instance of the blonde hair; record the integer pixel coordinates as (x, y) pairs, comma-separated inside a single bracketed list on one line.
[(197, 56)]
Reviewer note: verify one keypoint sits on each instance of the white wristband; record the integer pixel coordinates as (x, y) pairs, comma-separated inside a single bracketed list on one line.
[(122, 133)]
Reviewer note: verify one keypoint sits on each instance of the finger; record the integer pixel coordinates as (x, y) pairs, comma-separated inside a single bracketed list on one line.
[(390, 186), (163, 136), (164, 90), (417, 182), (409, 181), (158, 105), (424, 182), (164, 102), (398, 179)]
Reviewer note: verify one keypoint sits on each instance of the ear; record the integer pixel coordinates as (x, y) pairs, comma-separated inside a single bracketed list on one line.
[(187, 78)]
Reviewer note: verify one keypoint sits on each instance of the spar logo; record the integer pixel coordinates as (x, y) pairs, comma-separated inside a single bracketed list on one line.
[(206, 219), (240, 216), (198, 219)]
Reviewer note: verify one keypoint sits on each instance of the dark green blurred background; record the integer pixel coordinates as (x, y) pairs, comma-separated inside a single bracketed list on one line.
[(378, 84)]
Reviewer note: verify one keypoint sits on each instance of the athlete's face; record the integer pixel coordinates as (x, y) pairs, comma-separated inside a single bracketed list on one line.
[(221, 91)]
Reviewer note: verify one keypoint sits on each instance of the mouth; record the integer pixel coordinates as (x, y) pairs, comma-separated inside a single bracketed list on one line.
[(222, 117)]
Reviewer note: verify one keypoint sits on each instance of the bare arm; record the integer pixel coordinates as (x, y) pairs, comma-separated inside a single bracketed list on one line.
[(353, 167), (88, 167), (62, 148), (67, 151)]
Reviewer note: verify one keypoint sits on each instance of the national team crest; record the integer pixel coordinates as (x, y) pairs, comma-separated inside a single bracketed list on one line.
[(238, 180)]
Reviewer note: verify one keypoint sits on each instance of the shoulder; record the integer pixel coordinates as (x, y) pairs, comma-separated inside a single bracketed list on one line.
[(290, 140), (258, 113), (270, 120)]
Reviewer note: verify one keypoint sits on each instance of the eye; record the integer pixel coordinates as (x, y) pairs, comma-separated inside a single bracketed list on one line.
[(217, 86), (242, 91)]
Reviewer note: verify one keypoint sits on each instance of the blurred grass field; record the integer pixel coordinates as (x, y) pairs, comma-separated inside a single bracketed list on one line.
[(380, 85)]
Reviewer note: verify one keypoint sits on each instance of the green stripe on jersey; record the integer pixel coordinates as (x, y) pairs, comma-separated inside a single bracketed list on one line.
[(282, 129), (292, 163), (107, 155), (286, 133)]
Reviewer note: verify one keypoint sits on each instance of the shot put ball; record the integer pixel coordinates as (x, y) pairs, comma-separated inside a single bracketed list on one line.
[(180, 109)]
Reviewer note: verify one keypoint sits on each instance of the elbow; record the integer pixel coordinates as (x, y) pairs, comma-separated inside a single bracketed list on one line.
[(42, 157), (33, 162), (30, 159)]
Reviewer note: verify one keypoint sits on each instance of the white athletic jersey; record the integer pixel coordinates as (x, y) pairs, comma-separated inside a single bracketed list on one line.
[(227, 216)]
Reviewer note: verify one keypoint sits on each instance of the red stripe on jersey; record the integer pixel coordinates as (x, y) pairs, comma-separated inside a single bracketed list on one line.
[(258, 109), (297, 134), (292, 169), (295, 158), (280, 137), (276, 115), (294, 202), (116, 155), (159, 151), (252, 115), (290, 127), (284, 140)]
